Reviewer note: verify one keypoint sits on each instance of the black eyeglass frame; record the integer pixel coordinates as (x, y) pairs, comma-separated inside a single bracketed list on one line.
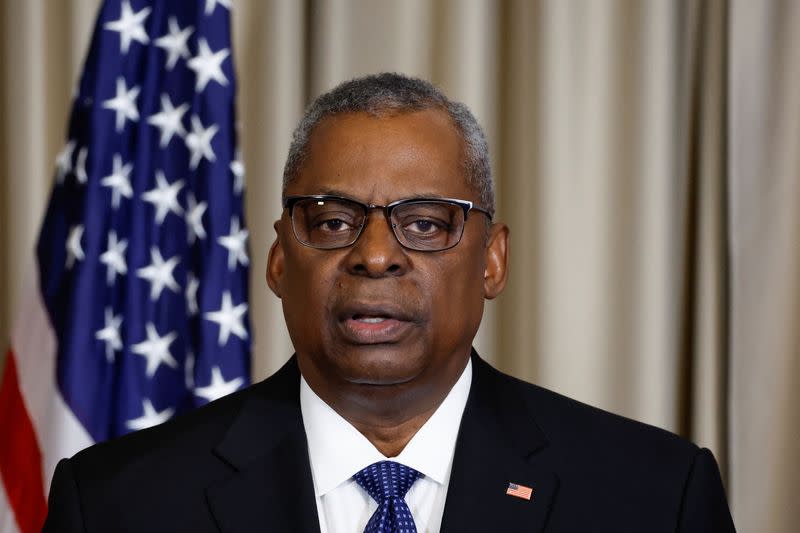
[(466, 205)]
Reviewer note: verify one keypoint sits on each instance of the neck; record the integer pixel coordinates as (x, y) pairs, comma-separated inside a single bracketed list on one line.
[(389, 436), (388, 416)]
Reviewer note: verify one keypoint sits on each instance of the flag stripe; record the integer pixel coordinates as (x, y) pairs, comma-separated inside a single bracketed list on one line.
[(58, 431), (34, 342), (8, 523), (20, 457)]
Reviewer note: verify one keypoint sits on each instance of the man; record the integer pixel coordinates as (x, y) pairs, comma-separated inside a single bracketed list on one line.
[(385, 419)]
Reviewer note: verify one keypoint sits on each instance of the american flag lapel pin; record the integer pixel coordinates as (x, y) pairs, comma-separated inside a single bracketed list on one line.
[(519, 491)]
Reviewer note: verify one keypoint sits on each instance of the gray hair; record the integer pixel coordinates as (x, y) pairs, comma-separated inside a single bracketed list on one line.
[(387, 92)]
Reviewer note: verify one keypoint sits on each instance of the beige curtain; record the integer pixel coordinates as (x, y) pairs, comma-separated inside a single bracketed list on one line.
[(647, 158), (764, 206)]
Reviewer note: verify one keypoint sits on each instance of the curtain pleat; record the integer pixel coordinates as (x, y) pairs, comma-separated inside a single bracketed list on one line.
[(764, 200)]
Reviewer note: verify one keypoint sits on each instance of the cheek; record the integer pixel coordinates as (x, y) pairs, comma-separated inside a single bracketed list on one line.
[(456, 288), (309, 282)]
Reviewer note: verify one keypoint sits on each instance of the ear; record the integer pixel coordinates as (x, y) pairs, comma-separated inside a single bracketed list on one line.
[(276, 262), (496, 273)]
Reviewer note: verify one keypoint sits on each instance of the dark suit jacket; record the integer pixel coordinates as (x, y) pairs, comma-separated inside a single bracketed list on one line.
[(241, 464)]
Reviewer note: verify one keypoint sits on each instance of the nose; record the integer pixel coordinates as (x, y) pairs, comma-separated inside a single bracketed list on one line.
[(376, 253)]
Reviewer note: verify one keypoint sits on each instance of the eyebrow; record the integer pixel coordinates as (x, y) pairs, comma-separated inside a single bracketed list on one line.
[(327, 191)]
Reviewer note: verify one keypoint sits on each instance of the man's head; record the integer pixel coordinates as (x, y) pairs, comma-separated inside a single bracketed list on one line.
[(381, 326), (389, 93)]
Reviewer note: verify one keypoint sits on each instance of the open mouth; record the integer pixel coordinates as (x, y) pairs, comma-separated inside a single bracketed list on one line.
[(366, 319), (363, 323)]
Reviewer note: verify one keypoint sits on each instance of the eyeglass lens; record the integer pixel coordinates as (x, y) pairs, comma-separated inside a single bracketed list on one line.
[(419, 225)]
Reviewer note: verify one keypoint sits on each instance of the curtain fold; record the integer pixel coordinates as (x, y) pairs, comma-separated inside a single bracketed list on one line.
[(703, 409), (647, 160), (271, 48), (764, 199)]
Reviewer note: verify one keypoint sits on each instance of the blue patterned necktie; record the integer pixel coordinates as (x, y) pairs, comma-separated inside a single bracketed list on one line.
[(388, 482)]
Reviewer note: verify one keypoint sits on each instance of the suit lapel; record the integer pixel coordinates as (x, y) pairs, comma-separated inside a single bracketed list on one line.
[(497, 444), (270, 487)]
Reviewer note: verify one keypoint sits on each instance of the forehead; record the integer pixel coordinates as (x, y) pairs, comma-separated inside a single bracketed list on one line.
[(384, 158)]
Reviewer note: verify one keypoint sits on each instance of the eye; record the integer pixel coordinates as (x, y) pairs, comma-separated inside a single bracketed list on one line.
[(424, 220), (423, 226), (332, 223)]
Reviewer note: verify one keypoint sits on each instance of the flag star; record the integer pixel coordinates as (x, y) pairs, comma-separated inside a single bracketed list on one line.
[(169, 120), (114, 257), (110, 334), (156, 350), (192, 284), (237, 168), (175, 42), (150, 418), (159, 273), (235, 243), (194, 218), (229, 319), (130, 26), (123, 104), (189, 371), (164, 197), (208, 65), (199, 142), (64, 161), (80, 167), (211, 4), (218, 386), (119, 181), (74, 248)]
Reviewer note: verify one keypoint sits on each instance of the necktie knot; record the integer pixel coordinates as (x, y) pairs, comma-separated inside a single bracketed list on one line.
[(387, 482)]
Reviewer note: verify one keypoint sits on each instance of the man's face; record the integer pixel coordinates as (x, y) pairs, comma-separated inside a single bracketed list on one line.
[(376, 319)]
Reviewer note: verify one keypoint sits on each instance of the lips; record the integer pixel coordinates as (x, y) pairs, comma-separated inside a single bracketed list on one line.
[(374, 323)]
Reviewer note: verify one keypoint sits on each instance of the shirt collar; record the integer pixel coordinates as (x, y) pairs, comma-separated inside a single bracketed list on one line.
[(337, 450)]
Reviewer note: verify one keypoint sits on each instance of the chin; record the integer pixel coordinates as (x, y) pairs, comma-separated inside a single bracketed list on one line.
[(377, 365)]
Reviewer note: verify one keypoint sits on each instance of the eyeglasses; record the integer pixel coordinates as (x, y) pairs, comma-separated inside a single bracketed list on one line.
[(422, 224)]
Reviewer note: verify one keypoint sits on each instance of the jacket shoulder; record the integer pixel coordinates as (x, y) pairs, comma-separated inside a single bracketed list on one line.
[(165, 471), (622, 474), (188, 434), (581, 433), (193, 435)]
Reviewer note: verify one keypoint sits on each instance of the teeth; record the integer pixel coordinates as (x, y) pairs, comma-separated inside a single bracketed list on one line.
[(371, 319)]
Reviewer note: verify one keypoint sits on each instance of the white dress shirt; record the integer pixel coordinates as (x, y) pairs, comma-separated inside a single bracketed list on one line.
[(337, 450)]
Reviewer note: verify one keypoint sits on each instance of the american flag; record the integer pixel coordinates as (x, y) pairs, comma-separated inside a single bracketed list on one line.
[(138, 311), (520, 491)]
